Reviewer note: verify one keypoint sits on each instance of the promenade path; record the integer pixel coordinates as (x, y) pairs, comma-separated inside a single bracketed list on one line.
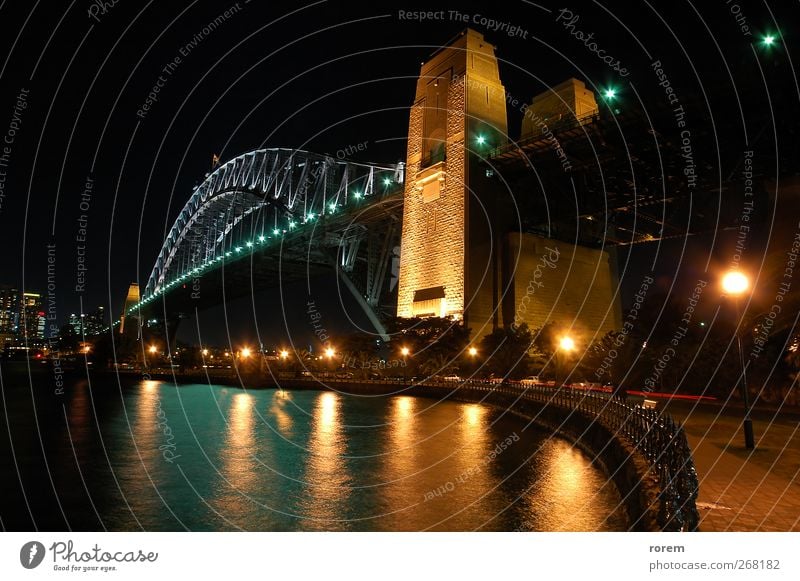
[(740, 489)]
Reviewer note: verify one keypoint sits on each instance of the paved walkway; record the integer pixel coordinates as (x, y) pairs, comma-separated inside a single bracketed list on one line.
[(743, 490)]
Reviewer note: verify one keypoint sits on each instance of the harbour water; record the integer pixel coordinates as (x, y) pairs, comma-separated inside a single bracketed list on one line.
[(159, 457)]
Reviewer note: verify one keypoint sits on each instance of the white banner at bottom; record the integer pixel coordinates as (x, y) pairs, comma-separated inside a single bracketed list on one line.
[(400, 556)]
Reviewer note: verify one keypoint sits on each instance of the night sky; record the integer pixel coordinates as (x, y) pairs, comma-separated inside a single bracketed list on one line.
[(321, 76)]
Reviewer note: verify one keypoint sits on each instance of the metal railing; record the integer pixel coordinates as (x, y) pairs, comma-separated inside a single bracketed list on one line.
[(653, 434)]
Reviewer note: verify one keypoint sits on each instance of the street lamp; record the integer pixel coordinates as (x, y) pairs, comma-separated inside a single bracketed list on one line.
[(245, 353), (153, 349), (473, 351), (734, 283), (284, 354), (404, 352), (566, 344)]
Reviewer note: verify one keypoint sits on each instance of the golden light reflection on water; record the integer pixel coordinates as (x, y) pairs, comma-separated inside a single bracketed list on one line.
[(280, 399), (562, 501), (239, 464), (473, 414), (402, 454), (137, 457), (473, 477), (474, 437), (403, 460), (149, 424), (327, 488)]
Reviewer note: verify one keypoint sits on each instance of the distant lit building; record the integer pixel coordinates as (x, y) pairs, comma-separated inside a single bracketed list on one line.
[(33, 321), (86, 324), (76, 322), (9, 316), (95, 321), (10, 303)]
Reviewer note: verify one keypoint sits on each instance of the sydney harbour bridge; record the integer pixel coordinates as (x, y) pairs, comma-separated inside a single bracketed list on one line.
[(445, 233), (276, 216)]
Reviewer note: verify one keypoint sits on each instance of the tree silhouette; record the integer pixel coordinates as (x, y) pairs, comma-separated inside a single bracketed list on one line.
[(507, 351)]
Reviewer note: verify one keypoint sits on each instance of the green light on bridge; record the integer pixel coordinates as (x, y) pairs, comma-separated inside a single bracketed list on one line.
[(249, 244), (387, 181), (357, 195), (768, 40), (332, 206), (481, 140), (261, 238), (292, 224), (275, 232), (610, 93)]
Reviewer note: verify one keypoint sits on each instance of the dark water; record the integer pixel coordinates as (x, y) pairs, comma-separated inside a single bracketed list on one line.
[(154, 456)]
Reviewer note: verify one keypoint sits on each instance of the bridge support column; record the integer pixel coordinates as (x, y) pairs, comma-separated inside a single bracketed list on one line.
[(380, 329), (171, 325)]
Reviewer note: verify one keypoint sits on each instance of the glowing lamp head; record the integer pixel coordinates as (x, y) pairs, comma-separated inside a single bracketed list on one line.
[(735, 283), (566, 344), (246, 352), (610, 93), (473, 351), (387, 181), (405, 351), (481, 140), (768, 40), (205, 352), (329, 352), (284, 354), (153, 349)]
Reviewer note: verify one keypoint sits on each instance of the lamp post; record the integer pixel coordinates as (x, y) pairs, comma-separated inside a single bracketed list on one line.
[(566, 344), (330, 353), (404, 352), (734, 283), (473, 352)]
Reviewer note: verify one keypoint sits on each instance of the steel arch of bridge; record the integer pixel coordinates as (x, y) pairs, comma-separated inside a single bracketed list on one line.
[(256, 198)]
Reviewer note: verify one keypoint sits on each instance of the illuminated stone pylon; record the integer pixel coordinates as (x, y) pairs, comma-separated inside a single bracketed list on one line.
[(447, 261)]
